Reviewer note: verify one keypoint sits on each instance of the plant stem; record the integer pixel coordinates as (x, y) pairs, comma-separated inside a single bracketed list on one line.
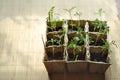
[(70, 15), (49, 17), (79, 23), (76, 57), (74, 51), (96, 40)]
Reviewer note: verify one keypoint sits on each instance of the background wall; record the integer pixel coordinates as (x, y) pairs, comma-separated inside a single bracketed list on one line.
[(22, 24)]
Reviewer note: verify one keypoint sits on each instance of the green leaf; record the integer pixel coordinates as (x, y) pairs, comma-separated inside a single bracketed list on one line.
[(50, 13), (78, 14), (100, 11)]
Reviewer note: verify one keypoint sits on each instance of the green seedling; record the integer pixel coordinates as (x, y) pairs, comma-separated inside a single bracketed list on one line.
[(56, 17), (100, 12), (91, 40), (76, 57), (102, 32), (53, 18), (70, 11), (51, 41), (76, 41), (59, 38), (78, 14), (80, 40), (53, 25), (80, 31), (107, 45), (99, 23), (105, 30), (72, 25), (50, 14), (72, 44), (50, 18)]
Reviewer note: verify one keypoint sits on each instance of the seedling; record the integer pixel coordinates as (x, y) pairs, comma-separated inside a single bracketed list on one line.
[(77, 41), (76, 57), (107, 45), (105, 30), (70, 11), (53, 26), (100, 12), (59, 38), (73, 44), (50, 18), (78, 14), (91, 40), (72, 25), (56, 17), (78, 28), (53, 19), (99, 24), (102, 32), (80, 40), (50, 14), (56, 23), (52, 41), (80, 31)]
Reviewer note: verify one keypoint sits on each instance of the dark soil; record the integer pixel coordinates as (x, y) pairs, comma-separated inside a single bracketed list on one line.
[(76, 55), (58, 27), (97, 43), (76, 25), (58, 56), (98, 57), (50, 56), (97, 54)]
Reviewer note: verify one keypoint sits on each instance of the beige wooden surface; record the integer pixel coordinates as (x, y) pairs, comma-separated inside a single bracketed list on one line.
[(23, 21)]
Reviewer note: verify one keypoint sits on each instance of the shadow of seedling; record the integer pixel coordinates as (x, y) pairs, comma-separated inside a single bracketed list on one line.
[(5, 49)]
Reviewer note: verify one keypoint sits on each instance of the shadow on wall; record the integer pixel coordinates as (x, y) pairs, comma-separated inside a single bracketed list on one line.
[(113, 71), (14, 8), (10, 56), (21, 49), (22, 36), (5, 49)]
